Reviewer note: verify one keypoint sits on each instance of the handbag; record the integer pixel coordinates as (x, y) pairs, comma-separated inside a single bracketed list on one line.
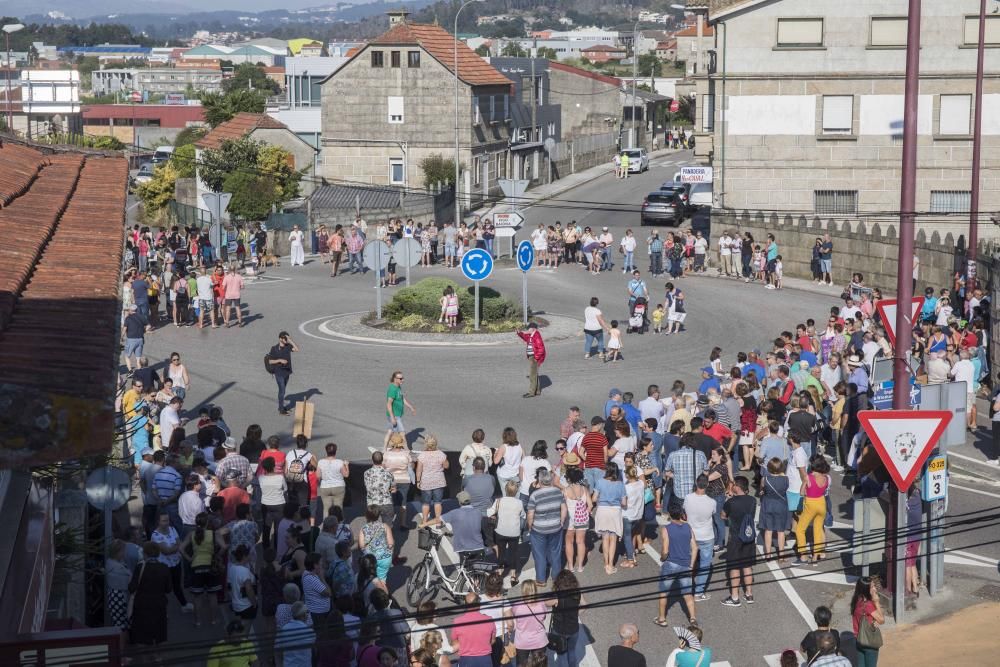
[(557, 642), (869, 635), (130, 606)]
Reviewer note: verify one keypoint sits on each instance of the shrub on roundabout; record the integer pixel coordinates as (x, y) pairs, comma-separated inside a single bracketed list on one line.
[(418, 307)]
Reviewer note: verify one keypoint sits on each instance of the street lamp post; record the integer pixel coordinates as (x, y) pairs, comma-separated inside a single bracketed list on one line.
[(458, 203), (7, 30)]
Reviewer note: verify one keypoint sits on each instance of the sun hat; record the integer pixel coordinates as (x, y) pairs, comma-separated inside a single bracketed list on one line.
[(571, 459), (854, 360), (614, 392)]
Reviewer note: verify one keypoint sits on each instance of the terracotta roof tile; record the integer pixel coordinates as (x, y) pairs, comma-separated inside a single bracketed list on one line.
[(439, 43), (692, 31), (241, 125)]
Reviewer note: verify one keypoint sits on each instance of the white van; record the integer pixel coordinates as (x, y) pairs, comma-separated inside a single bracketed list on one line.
[(162, 154), (699, 194)]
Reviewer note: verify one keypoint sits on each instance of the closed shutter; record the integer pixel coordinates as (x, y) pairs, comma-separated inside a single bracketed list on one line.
[(951, 201), (800, 32), (888, 31), (395, 109), (838, 114), (954, 115)]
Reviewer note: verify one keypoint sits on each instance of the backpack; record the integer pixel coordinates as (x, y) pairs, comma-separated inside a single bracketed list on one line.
[(268, 366), (295, 470), (747, 533), (581, 513)]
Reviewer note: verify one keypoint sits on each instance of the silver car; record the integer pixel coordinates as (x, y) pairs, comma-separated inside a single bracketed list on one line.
[(638, 160)]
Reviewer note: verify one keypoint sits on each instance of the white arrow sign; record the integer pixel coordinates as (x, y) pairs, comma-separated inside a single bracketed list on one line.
[(887, 311), (510, 220), (904, 439)]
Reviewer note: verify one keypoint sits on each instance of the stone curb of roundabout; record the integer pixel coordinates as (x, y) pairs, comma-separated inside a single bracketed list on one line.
[(348, 327)]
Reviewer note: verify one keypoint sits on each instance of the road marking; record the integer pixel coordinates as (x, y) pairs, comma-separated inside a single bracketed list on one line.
[(968, 554), (979, 491), (790, 592), (825, 577), (961, 560)]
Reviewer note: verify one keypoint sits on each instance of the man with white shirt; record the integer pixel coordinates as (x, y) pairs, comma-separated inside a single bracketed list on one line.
[(651, 406), (965, 371), (170, 419), (725, 253), (870, 349), (576, 437), (700, 510), (850, 311), (606, 240), (831, 373)]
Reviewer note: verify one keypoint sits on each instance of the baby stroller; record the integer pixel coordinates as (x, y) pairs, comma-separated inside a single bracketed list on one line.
[(637, 322)]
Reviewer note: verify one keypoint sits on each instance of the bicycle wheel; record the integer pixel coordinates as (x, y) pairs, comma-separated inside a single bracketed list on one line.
[(422, 586)]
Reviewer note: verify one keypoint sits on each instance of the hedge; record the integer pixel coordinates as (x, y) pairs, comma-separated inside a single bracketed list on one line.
[(423, 298)]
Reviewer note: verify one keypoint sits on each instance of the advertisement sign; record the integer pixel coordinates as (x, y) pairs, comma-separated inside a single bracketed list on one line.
[(696, 174)]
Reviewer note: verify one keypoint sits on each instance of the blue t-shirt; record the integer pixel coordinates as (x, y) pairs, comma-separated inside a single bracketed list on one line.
[(679, 550), (808, 357), (772, 251), (709, 383), (610, 493), (927, 312), (632, 416), (757, 369), (694, 658)]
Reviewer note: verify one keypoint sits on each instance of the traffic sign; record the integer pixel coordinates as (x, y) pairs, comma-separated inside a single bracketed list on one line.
[(477, 264), (406, 251), (525, 255), (696, 174), (675, 106), (376, 255), (936, 479), (882, 394), (887, 313), (509, 220), (904, 439), (108, 488)]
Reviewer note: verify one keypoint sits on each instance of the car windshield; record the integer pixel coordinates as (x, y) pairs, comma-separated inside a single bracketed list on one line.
[(632, 154), (660, 198)]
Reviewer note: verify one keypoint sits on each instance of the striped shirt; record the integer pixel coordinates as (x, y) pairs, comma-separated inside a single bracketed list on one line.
[(594, 444), (546, 503), (167, 483), (312, 594)]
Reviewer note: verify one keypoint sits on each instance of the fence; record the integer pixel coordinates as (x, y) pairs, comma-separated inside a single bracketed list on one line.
[(582, 152), (185, 215)]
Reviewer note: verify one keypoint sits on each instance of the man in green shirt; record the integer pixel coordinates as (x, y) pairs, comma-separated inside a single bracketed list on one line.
[(395, 403)]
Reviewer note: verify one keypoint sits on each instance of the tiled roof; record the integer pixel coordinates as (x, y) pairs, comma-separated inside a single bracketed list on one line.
[(348, 197), (62, 221), (569, 69), (241, 125), (603, 48), (692, 31), (439, 43), (672, 44)]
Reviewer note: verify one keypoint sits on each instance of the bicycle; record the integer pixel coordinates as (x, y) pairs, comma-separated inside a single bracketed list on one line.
[(429, 575)]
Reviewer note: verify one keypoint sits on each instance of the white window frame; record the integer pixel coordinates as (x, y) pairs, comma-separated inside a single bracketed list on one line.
[(893, 23), (395, 104), (834, 121), (393, 163), (970, 30), (955, 115), (477, 169), (800, 44)]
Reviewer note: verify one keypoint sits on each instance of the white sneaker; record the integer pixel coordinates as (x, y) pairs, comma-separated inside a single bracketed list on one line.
[(188, 608), (994, 462), (836, 468), (769, 286)]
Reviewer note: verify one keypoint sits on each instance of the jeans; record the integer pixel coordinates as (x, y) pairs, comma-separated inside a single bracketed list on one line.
[(606, 260), (489, 246), (627, 538), (589, 338), (704, 566), (571, 657), (546, 550), (282, 381), (629, 263), (593, 475), (656, 263), (746, 265), (867, 657), (356, 259), (720, 524)]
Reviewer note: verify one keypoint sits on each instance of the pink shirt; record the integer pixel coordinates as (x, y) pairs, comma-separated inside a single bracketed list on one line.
[(232, 284), (474, 632), (530, 621)]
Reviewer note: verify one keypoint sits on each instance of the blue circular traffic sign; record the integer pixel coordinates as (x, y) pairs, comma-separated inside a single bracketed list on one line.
[(525, 255), (477, 264)]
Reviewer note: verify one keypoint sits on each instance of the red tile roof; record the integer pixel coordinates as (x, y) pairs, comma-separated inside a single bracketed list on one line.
[(439, 43), (596, 76), (692, 31), (241, 125), (62, 220), (672, 44)]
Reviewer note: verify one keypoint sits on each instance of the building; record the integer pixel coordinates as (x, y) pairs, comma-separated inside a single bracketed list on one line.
[(340, 49), (391, 105), (140, 124), (156, 80), (689, 45), (667, 51), (257, 54), (602, 53), (300, 106), (813, 93), (534, 117), (304, 46), (107, 51), (44, 102)]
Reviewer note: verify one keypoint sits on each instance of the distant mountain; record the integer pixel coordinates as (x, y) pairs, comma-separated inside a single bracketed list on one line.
[(101, 9)]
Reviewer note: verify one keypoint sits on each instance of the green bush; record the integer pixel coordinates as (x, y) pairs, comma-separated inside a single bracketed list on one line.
[(423, 299)]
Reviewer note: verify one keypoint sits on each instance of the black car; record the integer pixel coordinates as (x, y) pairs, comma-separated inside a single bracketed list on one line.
[(662, 207), (683, 191)]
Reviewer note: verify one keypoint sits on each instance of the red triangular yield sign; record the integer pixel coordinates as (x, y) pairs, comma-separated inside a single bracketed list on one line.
[(904, 439), (887, 313)]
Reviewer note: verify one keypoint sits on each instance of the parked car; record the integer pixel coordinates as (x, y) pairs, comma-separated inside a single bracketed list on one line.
[(682, 190), (162, 154), (638, 160), (145, 174), (661, 208)]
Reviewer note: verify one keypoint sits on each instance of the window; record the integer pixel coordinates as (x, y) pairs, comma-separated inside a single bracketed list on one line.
[(992, 30), (552, 129), (838, 114), (835, 202), (477, 117), (394, 58), (501, 165), (954, 115), (477, 169), (951, 201), (708, 109), (395, 109), (888, 31), (798, 33), (397, 174), (378, 59)]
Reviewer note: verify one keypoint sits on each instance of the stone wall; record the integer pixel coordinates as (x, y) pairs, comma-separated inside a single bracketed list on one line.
[(863, 246)]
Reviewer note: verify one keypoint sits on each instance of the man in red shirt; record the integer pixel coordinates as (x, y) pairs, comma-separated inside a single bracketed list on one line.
[(716, 431), (595, 452), (472, 635), (234, 496)]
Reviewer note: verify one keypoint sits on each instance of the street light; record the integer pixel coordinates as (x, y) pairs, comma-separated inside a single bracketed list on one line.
[(635, 75), (7, 29), (458, 203)]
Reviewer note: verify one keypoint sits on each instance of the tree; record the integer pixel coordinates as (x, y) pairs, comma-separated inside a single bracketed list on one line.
[(273, 163), (513, 50), (547, 52), (250, 77), (189, 135), (253, 195), (183, 161), (649, 65), (219, 108), (483, 50), (258, 175), (159, 190), (85, 65), (437, 169)]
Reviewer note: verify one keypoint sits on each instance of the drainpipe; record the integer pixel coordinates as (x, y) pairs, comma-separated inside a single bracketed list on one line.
[(723, 121)]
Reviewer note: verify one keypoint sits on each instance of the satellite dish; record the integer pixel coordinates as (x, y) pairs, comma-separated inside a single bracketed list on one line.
[(550, 143)]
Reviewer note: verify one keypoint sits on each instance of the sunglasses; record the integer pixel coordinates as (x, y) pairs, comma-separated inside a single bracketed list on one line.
[(560, 449)]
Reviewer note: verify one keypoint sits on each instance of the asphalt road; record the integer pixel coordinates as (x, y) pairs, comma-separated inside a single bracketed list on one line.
[(456, 390)]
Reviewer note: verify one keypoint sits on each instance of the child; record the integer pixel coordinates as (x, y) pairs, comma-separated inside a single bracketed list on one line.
[(658, 318), (391, 272), (759, 263), (777, 272), (614, 342)]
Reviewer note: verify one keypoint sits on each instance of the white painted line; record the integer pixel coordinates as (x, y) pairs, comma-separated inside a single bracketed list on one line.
[(790, 592), (961, 560), (974, 556), (967, 458), (825, 577), (970, 490)]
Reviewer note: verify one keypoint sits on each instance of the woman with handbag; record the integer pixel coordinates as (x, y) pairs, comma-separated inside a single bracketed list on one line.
[(203, 553), (510, 515), (775, 519), (528, 619), (117, 576), (866, 614), (148, 590), (565, 628)]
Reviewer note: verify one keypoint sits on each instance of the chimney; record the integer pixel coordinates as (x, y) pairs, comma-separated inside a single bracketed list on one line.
[(397, 16)]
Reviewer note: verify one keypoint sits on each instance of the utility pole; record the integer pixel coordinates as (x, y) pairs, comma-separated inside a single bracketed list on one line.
[(458, 202), (904, 293), (977, 145), (635, 73), (534, 101)]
